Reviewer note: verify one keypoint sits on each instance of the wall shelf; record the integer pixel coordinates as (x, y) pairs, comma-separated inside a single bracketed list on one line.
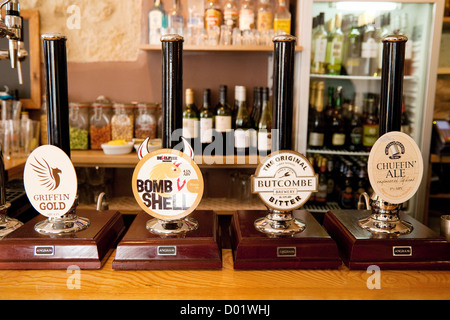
[(96, 158), (217, 48)]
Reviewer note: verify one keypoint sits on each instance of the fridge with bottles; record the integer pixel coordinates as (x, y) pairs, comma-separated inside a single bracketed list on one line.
[(339, 77)]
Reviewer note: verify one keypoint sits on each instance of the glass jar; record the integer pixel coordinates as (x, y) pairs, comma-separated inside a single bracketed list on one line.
[(122, 122), (100, 123), (145, 124), (79, 125)]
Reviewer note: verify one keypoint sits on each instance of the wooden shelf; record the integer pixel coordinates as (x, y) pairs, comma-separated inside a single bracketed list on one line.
[(217, 48), (443, 70), (93, 158)]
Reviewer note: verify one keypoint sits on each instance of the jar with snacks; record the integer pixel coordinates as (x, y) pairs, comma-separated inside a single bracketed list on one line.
[(145, 124), (100, 123), (79, 125), (122, 122)]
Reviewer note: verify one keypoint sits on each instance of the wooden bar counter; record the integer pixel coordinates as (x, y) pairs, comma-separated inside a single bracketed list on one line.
[(224, 284)]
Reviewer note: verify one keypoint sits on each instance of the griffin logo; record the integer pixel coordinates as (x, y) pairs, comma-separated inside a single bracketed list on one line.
[(48, 176)]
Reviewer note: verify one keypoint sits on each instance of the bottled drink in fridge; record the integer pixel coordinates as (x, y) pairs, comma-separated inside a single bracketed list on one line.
[(335, 47), (369, 51), (337, 128), (319, 49), (353, 60), (317, 126)]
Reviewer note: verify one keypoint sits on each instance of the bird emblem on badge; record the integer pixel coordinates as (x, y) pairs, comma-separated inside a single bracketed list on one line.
[(49, 177)]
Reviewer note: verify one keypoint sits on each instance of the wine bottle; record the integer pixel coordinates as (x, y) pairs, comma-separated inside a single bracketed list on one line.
[(223, 123), (335, 46), (355, 130), (337, 128), (371, 125), (206, 120), (243, 123), (257, 105), (320, 47), (317, 127), (265, 125), (369, 51), (191, 120), (352, 64)]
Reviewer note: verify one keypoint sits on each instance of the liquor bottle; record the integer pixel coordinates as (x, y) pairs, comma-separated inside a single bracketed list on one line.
[(369, 51), (230, 14), (264, 16), (247, 15), (337, 128), (352, 64), (196, 15), (213, 14), (361, 183), (355, 136), (370, 125), (157, 21), (175, 19), (243, 124), (320, 47), (335, 47), (282, 18), (317, 126), (190, 119), (206, 120), (223, 123), (265, 125), (321, 194)]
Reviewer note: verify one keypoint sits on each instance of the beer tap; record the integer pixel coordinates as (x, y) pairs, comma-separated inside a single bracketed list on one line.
[(11, 27)]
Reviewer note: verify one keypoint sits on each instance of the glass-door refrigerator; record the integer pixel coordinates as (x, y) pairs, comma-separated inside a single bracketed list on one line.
[(341, 56)]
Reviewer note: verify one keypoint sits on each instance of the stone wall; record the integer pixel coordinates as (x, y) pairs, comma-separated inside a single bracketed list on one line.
[(100, 30)]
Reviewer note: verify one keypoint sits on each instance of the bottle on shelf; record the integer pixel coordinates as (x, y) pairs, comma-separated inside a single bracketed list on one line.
[(355, 130), (175, 18), (337, 129), (223, 123), (335, 47), (353, 54), (196, 16), (316, 135), (348, 188), (206, 120), (330, 106), (243, 124), (265, 125), (369, 51), (191, 120), (257, 105), (230, 14), (157, 22), (282, 18), (264, 16), (247, 15), (321, 194), (384, 21), (370, 125), (319, 49), (331, 185), (213, 14)]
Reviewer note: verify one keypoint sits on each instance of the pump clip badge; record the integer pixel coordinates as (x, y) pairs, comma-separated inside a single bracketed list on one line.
[(395, 167), (167, 183), (284, 180), (50, 181)]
